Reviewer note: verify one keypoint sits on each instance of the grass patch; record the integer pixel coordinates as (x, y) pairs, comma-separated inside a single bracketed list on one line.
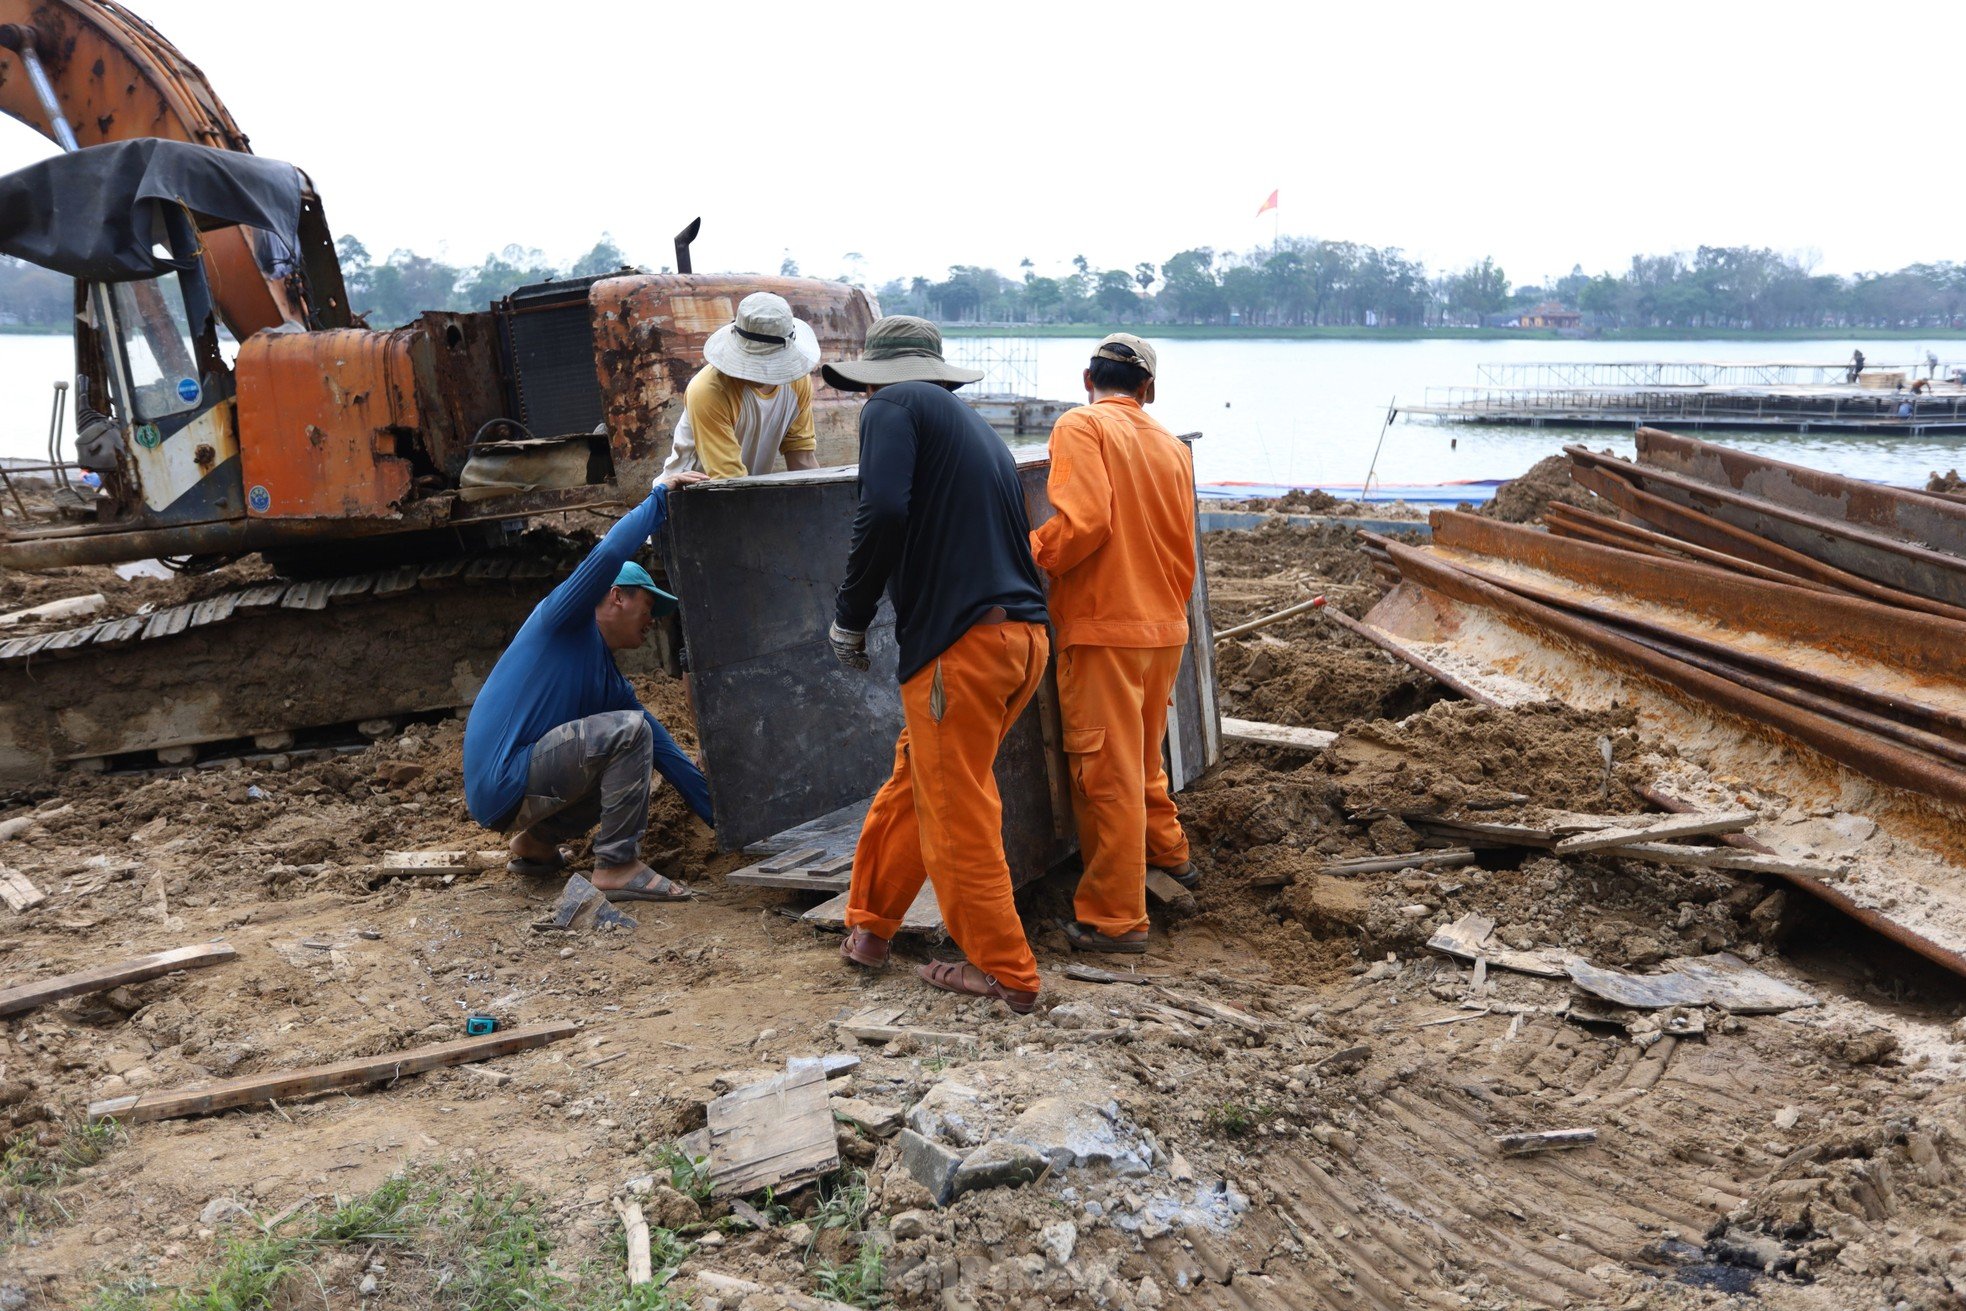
[(860, 1282), (31, 1171), (1236, 1120), (688, 1175), (463, 1242)]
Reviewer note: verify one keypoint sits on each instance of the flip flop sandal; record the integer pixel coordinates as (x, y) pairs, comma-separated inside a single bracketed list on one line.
[(954, 976), (1082, 938), (539, 868), (649, 886), (1185, 874), (865, 948)]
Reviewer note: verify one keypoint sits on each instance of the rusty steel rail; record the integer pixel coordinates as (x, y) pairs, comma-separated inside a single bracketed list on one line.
[(1875, 555), (1569, 521), (1884, 761), (1887, 762)]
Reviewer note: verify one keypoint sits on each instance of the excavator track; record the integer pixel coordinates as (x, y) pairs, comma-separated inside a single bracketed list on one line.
[(265, 665)]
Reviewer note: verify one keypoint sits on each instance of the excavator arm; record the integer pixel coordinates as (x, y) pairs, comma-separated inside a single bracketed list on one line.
[(114, 77)]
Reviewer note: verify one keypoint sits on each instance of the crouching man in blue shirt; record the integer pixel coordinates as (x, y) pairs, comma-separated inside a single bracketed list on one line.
[(557, 743)]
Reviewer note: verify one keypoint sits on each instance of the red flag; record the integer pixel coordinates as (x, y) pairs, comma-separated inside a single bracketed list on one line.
[(1268, 205)]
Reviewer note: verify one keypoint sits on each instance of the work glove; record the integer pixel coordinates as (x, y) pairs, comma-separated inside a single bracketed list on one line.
[(849, 647)]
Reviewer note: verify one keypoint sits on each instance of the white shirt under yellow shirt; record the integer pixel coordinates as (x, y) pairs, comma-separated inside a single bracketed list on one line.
[(731, 427)]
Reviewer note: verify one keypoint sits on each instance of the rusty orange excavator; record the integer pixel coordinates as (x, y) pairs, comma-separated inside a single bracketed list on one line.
[(367, 466)]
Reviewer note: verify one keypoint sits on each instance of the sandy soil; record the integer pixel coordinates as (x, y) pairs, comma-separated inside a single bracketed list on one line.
[(1336, 1150)]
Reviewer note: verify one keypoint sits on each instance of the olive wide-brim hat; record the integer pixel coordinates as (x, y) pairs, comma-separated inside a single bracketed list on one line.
[(900, 348)]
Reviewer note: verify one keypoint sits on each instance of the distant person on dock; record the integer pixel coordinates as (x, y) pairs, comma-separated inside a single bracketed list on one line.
[(1931, 364), (557, 743), (942, 531), (1120, 550), (1856, 366), (752, 400)]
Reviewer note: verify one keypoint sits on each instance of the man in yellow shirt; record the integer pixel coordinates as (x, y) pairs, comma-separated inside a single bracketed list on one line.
[(752, 399)]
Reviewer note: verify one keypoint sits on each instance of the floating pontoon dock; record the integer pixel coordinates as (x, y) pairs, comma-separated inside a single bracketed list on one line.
[(1790, 396)]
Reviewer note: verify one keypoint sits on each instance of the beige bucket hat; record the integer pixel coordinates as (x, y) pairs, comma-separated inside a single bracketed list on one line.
[(765, 345), (900, 348)]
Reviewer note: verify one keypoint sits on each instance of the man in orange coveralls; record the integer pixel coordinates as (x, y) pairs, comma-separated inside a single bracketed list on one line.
[(942, 530), (1121, 555)]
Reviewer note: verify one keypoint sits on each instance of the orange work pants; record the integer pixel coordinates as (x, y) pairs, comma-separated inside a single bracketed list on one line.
[(939, 815), (1113, 700)]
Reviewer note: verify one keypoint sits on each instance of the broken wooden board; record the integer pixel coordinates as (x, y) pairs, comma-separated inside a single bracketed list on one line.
[(436, 864), (1730, 858), (1667, 826), (776, 1134), (1473, 833), (1163, 889), (867, 1032), (1468, 938), (1277, 735), (17, 892), (387, 1068), (1722, 980), (1214, 1010), (1549, 1140), (924, 916), (26, 996), (1093, 974), (1410, 860)]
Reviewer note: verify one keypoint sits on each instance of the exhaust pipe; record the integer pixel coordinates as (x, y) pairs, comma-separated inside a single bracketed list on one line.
[(683, 240)]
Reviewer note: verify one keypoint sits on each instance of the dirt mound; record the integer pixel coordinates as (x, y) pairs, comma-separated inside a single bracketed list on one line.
[(1456, 752), (1326, 679), (1521, 500)]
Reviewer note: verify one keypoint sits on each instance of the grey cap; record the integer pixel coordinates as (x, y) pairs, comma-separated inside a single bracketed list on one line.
[(900, 348)]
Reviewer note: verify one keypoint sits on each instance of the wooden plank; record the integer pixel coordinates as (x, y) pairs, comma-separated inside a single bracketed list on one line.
[(1163, 889), (924, 916), (387, 1068), (26, 996), (17, 892), (1666, 853), (1549, 1140), (889, 1032), (635, 1228), (427, 863), (1410, 860), (1214, 1010), (1093, 974), (1277, 735), (773, 1134), (1669, 826), (1288, 612)]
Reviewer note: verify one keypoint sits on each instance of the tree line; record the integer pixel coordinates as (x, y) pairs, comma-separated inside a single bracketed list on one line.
[(1309, 282), (1297, 281)]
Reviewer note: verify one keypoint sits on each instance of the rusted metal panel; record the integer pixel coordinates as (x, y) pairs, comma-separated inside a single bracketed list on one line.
[(1923, 645), (1906, 566), (649, 331), (1911, 516), (324, 414), (463, 388)]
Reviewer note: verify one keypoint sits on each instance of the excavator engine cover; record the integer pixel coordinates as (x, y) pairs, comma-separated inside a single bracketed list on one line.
[(329, 419)]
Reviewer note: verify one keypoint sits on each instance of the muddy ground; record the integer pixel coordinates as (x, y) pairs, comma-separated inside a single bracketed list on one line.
[(1322, 1137)]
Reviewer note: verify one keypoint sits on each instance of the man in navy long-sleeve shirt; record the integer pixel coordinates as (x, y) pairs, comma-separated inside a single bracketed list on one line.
[(557, 743)]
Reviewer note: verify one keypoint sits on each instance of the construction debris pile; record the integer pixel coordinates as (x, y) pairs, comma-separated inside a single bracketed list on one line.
[(1460, 1015)]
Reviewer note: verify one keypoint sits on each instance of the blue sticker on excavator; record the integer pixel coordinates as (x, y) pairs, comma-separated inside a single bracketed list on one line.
[(259, 500), (187, 390)]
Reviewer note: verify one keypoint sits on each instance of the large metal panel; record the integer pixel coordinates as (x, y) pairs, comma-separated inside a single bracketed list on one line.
[(787, 735)]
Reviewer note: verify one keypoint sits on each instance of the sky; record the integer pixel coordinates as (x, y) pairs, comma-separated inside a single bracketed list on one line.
[(920, 136)]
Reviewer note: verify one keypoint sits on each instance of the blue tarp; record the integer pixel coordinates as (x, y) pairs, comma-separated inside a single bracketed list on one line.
[(1381, 493)]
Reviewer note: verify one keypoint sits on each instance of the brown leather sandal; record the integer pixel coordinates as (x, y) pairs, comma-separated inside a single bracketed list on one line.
[(1083, 937), (958, 976), (865, 948)]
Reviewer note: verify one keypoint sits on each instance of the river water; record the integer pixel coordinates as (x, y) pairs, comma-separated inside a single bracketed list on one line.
[(1293, 411)]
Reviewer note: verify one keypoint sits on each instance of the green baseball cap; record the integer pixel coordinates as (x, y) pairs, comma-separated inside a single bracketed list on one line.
[(633, 575)]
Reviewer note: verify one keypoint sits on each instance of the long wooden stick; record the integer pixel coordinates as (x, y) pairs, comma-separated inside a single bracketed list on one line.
[(1302, 607), (26, 996), (323, 1078)]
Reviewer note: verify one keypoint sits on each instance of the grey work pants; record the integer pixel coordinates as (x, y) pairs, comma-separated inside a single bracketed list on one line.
[(593, 770)]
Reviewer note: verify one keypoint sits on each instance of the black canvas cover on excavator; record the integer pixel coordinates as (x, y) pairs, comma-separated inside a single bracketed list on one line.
[(126, 211)]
